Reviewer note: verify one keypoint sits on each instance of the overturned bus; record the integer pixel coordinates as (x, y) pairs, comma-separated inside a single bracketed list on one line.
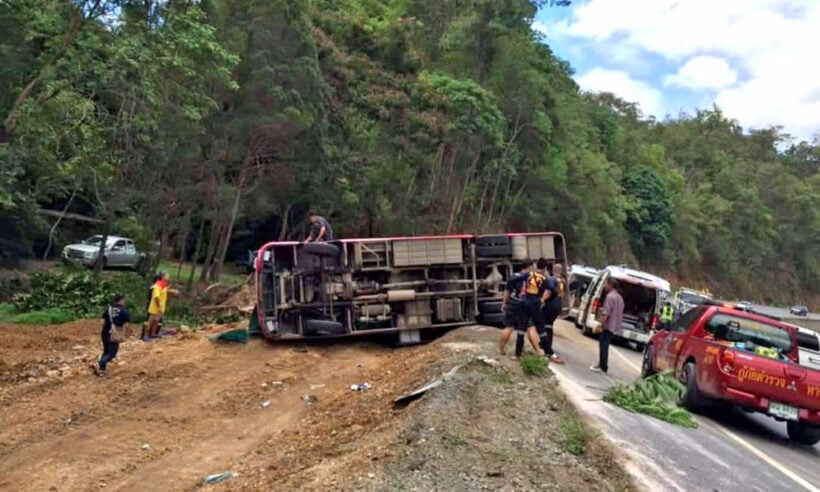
[(399, 285)]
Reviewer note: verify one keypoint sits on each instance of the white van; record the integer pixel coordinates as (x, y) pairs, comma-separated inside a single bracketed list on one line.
[(644, 295), (580, 277)]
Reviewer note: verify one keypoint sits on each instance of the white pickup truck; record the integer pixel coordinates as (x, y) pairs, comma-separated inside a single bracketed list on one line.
[(808, 342), (118, 252)]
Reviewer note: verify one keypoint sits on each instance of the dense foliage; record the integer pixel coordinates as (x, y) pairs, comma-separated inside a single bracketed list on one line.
[(187, 120), (81, 293)]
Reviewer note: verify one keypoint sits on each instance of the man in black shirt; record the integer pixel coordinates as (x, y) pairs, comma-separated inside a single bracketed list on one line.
[(115, 315), (551, 308), (510, 305), (320, 229)]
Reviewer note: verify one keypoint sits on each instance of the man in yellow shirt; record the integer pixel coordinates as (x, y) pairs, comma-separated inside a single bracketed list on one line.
[(156, 308)]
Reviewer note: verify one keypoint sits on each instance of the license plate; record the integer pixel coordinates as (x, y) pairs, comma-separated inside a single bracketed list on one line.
[(783, 411)]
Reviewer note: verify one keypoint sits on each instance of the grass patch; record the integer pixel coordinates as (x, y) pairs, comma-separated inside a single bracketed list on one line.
[(6, 309), (457, 439), (573, 434), (534, 365), (51, 316), (501, 377), (228, 276), (503, 454), (655, 396)]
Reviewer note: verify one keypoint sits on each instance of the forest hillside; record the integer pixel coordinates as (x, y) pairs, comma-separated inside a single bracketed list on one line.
[(195, 122)]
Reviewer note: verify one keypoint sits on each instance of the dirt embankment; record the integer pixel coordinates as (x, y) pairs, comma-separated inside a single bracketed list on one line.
[(174, 411)]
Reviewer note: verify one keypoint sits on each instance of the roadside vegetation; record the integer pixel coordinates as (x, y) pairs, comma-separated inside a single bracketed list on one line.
[(390, 117), (50, 316), (534, 365), (656, 396), (68, 292), (573, 434)]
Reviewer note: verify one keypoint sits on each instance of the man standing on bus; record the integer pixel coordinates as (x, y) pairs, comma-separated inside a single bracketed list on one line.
[(320, 229)]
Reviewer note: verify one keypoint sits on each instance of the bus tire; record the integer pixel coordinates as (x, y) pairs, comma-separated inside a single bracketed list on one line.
[(322, 249), (322, 327), (489, 307)]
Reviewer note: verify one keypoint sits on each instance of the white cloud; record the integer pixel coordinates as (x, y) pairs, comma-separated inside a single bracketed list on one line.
[(770, 43), (540, 27), (622, 85), (703, 72)]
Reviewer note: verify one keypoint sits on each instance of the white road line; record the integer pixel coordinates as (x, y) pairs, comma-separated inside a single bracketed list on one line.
[(744, 443), (763, 456), (627, 361)]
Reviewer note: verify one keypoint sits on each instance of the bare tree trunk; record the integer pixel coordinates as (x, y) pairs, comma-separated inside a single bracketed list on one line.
[(283, 232), (481, 202), (183, 249), (220, 260), (100, 263), (57, 223), (460, 198), (495, 195), (209, 253), (197, 251), (504, 203), (158, 260)]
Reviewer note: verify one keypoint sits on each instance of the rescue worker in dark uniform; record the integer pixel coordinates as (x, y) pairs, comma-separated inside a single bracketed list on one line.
[(510, 306), (551, 307), (533, 296)]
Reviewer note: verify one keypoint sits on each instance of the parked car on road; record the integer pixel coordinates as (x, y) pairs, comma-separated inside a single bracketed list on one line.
[(799, 310), (644, 295), (724, 354), (580, 277), (744, 306), (685, 299), (118, 252)]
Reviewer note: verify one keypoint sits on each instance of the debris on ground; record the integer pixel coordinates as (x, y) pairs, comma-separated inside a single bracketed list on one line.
[(655, 395), (360, 387), (218, 477), (239, 335), (265, 404), (489, 361), (219, 298), (419, 392)]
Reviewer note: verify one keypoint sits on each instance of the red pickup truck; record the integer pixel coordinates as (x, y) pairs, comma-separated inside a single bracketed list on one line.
[(723, 354)]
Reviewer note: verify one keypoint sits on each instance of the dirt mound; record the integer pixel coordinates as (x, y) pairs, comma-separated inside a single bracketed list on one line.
[(283, 417), (222, 298)]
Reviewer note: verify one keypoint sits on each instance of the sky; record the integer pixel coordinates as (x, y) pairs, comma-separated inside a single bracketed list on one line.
[(758, 60)]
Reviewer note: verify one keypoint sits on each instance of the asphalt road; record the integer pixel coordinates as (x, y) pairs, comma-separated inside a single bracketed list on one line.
[(779, 312), (731, 451)]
